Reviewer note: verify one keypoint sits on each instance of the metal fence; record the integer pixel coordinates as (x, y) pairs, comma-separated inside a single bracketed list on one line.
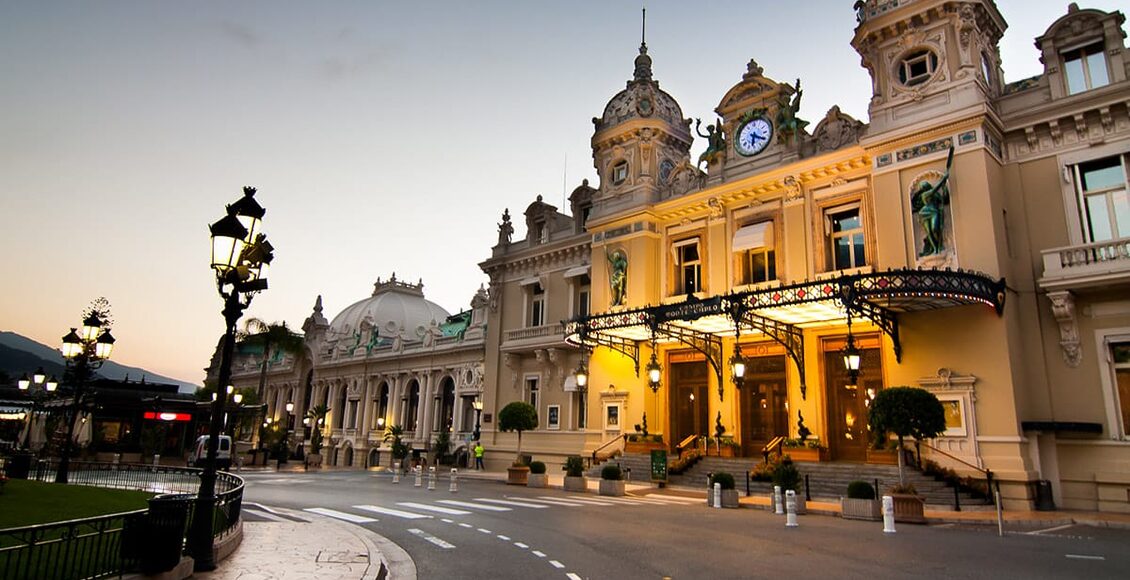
[(147, 540)]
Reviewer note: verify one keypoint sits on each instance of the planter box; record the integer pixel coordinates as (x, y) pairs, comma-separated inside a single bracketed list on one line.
[(861, 509), (517, 475), (882, 457), (723, 451), (612, 487), (576, 483), (807, 453), (801, 504), (642, 447), (537, 480), (729, 498), (909, 509), (313, 460)]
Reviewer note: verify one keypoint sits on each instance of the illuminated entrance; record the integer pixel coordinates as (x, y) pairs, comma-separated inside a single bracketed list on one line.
[(848, 436), (764, 403), (689, 398)]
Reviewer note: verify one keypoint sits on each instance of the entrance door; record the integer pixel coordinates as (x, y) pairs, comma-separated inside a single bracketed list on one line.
[(764, 397), (689, 400), (848, 435)]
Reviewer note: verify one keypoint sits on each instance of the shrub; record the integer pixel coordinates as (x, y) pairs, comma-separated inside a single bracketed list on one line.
[(537, 467), (904, 488), (786, 475), (723, 478), (574, 466), (860, 490), (611, 472), (518, 416)]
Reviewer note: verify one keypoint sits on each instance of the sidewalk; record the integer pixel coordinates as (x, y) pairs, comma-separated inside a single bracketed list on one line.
[(331, 549)]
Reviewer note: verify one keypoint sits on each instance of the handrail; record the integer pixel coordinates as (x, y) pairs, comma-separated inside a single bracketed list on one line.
[(957, 459), (595, 452), (987, 472), (775, 443), (685, 443)]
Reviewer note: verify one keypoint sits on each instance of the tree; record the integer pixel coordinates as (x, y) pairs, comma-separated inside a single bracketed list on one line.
[(906, 412), (393, 435), (270, 335), (317, 416), (518, 416)]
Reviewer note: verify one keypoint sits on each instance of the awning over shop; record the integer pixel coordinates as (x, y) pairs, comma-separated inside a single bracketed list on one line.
[(782, 313)]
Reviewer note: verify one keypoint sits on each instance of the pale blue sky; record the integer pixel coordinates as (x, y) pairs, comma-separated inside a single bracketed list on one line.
[(383, 137)]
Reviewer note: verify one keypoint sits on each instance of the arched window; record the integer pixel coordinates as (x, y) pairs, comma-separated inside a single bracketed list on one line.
[(413, 406)]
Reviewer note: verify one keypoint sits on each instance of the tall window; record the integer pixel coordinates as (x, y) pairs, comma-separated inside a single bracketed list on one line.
[(1085, 68), (1120, 355), (582, 410), (688, 266), (537, 305), (413, 407), (1103, 197), (844, 227), (532, 391), (351, 418), (581, 298), (541, 232), (754, 253), (382, 406)]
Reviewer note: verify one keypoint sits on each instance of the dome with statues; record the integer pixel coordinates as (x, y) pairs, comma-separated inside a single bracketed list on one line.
[(396, 308)]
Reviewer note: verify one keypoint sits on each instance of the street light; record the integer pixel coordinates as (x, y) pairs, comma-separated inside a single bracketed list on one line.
[(45, 387), (478, 406), (852, 356), (85, 354), (240, 255)]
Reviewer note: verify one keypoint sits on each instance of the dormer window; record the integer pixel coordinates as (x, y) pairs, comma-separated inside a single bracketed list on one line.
[(620, 173), (917, 67), (1085, 68), (541, 232)]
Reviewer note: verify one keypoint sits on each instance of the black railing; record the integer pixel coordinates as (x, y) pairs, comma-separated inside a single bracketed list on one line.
[(147, 540)]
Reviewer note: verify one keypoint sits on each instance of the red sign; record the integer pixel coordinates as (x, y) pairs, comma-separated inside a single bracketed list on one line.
[(167, 416)]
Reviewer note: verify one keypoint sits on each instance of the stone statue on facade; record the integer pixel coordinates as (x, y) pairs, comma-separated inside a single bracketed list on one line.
[(929, 202), (618, 276), (715, 141), (505, 229), (789, 126)]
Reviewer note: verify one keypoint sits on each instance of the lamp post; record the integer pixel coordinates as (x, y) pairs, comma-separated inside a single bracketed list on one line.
[(85, 354), (44, 387), (852, 356), (478, 406), (240, 257)]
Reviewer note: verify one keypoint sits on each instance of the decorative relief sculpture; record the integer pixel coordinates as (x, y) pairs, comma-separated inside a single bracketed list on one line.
[(618, 275), (789, 126), (929, 201), (715, 142), (837, 130), (1063, 308)]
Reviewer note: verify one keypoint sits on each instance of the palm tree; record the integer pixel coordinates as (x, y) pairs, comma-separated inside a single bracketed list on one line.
[(317, 415), (275, 337)]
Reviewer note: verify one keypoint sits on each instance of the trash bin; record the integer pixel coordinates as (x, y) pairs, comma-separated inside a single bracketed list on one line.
[(1044, 500), (163, 541)]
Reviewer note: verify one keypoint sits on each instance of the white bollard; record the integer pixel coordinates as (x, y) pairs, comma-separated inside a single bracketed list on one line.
[(396, 472), (790, 509), (156, 459), (432, 478), (454, 487), (419, 476), (718, 495), (888, 514), (777, 507)]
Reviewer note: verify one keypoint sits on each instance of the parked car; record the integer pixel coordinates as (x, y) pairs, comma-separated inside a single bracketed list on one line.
[(200, 452)]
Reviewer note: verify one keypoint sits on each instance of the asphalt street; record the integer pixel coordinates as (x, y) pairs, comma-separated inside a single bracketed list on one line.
[(490, 530)]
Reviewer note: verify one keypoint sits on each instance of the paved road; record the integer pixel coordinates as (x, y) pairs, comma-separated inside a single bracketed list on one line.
[(489, 530)]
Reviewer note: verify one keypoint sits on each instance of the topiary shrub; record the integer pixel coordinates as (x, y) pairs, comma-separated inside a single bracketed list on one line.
[(786, 475), (518, 416), (537, 467), (611, 472), (574, 466), (906, 412), (860, 490), (723, 478)]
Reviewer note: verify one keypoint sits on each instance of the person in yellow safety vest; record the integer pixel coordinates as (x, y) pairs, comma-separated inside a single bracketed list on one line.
[(479, 455)]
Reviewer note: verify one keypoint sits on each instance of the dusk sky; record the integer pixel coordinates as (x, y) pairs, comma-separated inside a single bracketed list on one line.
[(383, 137)]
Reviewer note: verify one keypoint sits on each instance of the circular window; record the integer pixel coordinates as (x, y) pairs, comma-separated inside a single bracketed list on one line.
[(917, 67)]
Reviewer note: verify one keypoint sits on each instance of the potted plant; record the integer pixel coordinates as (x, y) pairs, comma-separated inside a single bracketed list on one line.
[(787, 476), (882, 452), (537, 477), (518, 416), (611, 480), (809, 449), (909, 506), (575, 479), (394, 435), (860, 503), (643, 443), (729, 492), (317, 416), (724, 446)]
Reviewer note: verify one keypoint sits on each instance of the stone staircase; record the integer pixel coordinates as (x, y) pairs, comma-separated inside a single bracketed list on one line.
[(826, 480)]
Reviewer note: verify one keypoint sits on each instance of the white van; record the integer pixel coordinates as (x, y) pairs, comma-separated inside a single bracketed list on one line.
[(199, 453)]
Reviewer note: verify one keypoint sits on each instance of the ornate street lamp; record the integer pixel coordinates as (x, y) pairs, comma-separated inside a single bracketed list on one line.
[(43, 388), (737, 367), (851, 355), (240, 255), (478, 406), (84, 354), (654, 373)]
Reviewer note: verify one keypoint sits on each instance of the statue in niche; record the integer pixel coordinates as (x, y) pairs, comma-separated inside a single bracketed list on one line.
[(505, 229), (715, 141), (618, 276), (929, 202), (788, 124)]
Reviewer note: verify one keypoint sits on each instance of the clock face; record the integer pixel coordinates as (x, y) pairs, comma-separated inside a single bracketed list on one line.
[(753, 136)]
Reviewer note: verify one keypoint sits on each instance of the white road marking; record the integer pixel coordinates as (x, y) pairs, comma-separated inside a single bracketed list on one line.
[(450, 521), (504, 538), (431, 538), (673, 498), (538, 553), (477, 506), (1054, 529), (512, 502), (556, 564), (554, 502), (282, 481), (572, 576), (1084, 557), (391, 512), (465, 525), (584, 501), (521, 545), (433, 508), (341, 515), (265, 515), (485, 531)]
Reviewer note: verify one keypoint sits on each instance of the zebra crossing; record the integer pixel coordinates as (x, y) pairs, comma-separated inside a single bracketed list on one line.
[(418, 510)]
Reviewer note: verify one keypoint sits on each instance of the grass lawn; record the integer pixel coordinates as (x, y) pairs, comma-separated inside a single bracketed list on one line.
[(25, 503)]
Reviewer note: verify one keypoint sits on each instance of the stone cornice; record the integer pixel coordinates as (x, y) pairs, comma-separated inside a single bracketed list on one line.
[(536, 258)]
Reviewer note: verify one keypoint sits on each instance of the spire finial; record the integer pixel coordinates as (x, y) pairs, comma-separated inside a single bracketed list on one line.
[(643, 61), (643, 32)]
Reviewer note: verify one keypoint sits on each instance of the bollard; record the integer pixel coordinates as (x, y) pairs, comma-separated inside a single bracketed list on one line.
[(396, 472), (790, 509), (888, 514), (419, 476), (432, 478), (453, 488), (117, 458), (156, 459), (777, 507), (718, 495)]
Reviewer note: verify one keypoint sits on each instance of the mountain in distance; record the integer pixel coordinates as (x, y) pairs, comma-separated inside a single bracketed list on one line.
[(19, 355)]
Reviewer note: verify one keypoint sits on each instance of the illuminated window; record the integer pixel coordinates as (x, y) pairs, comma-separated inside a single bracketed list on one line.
[(688, 266), (844, 228), (753, 248), (1085, 68), (1104, 198)]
